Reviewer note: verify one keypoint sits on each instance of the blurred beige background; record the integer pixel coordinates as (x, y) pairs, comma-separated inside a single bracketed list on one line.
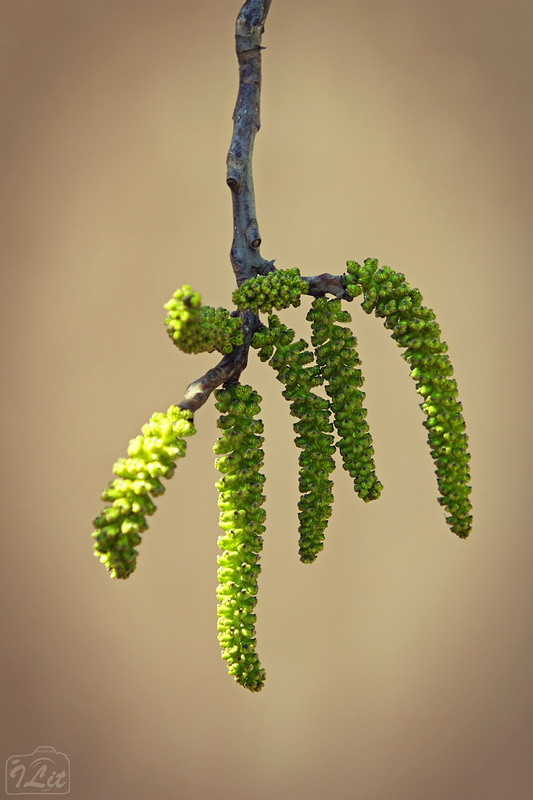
[(399, 665)]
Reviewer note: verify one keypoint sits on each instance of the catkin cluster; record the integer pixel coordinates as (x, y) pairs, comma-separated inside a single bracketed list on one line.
[(279, 289), (275, 343), (196, 328), (151, 456), (413, 327), (241, 518), (336, 365), (336, 354)]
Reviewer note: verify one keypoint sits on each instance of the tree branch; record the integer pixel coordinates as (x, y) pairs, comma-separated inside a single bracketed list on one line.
[(245, 256)]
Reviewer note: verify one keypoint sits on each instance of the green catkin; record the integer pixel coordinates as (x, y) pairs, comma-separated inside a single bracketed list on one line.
[(279, 289), (290, 359), (151, 456), (241, 518), (196, 328), (337, 357), (413, 327)]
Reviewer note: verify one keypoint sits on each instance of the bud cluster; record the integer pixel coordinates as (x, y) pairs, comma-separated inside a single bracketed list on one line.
[(279, 289), (291, 360), (241, 518), (151, 457), (413, 327), (196, 328), (336, 354)]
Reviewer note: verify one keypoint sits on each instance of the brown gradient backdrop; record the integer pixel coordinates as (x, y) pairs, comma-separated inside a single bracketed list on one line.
[(399, 665)]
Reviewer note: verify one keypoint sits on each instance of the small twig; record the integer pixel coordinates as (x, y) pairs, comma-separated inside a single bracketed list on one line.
[(327, 284), (227, 370)]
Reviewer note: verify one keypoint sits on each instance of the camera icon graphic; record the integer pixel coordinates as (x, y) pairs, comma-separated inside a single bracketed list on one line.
[(45, 771)]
